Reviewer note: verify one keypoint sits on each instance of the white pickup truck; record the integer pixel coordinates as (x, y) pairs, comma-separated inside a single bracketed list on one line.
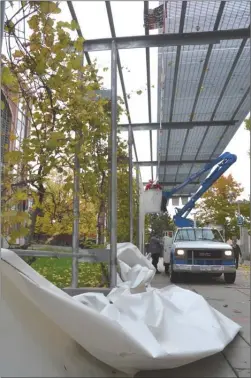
[(198, 250)]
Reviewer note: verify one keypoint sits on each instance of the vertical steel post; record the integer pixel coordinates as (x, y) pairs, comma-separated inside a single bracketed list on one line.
[(2, 6), (130, 183), (113, 220), (76, 187), (75, 233), (138, 213), (240, 227), (109, 180)]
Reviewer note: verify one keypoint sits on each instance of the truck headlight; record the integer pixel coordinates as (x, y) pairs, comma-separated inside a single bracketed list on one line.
[(180, 252), (228, 253)]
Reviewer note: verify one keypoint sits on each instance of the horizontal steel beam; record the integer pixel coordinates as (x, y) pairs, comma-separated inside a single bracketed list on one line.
[(86, 255), (81, 290), (174, 183), (178, 183), (183, 195), (175, 125), (162, 40), (168, 163), (180, 195)]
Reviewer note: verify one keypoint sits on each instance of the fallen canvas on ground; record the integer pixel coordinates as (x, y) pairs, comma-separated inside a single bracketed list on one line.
[(135, 328)]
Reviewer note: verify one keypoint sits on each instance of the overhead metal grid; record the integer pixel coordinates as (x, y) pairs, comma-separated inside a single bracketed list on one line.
[(203, 83), (206, 93)]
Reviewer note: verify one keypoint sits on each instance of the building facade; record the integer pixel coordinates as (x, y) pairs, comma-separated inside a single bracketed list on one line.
[(15, 127), (14, 121)]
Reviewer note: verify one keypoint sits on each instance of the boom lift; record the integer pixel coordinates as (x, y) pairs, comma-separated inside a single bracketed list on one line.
[(221, 164)]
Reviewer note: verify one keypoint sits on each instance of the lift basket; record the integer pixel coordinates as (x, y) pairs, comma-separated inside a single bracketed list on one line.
[(152, 200)]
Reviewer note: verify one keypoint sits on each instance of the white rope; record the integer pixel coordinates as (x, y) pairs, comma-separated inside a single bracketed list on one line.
[(162, 83)]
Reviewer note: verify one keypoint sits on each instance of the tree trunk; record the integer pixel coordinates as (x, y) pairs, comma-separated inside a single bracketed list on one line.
[(101, 223), (34, 216)]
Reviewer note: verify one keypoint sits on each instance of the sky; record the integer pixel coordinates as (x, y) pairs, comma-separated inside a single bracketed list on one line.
[(128, 21)]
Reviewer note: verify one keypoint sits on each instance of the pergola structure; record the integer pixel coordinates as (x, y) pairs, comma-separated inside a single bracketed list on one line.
[(206, 88), (206, 50)]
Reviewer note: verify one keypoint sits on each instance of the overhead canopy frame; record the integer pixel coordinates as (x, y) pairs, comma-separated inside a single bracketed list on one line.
[(181, 38)]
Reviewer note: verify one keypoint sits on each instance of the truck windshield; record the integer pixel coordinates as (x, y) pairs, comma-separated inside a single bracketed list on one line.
[(190, 234)]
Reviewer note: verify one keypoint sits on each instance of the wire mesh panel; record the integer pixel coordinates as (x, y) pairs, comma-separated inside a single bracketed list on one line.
[(212, 83)]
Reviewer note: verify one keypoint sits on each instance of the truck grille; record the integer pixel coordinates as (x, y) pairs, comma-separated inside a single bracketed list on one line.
[(204, 254)]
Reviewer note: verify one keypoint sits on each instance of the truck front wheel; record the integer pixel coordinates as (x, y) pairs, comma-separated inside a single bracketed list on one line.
[(230, 277), (174, 276)]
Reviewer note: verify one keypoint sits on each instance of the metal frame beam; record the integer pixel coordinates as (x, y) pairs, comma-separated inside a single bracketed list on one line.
[(233, 116), (177, 61), (148, 80), (241, 102), (170, 163), (111, 23), (161, 40), (81, 290), (182, 195), (95, 255), (174, 183), (2, 9), (175, 125), (235, 62), (113, 182), (176, 69), (131, 141), (74, 17), (209, 51)]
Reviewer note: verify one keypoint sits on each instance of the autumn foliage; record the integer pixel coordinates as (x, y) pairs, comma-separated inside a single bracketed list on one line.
[(45, 71), (219, 205)]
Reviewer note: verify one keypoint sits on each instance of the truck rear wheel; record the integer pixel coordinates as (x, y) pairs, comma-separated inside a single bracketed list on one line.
[(230, 277)]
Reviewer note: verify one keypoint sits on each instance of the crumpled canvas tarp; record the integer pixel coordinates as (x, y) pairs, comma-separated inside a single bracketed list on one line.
[(136, 327)]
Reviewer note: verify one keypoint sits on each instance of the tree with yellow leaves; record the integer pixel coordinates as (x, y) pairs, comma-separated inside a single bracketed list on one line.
[(57, 211), (45, 69), (218, 206)]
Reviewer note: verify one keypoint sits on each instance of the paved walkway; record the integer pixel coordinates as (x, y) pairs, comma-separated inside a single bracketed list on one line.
[(234, 302)]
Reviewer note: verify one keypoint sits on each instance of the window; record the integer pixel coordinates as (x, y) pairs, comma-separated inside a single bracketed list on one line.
[(206, 234), (185, 235), (20, 127), (5, 126)]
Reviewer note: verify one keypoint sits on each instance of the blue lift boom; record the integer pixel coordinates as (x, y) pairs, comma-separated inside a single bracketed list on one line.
[(221, 164)]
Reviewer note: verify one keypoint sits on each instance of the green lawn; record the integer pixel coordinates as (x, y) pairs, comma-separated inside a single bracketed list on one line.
[(58, 271)]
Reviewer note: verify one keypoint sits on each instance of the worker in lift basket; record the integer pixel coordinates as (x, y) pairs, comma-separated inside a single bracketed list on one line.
[(237, 251), (155, 248)]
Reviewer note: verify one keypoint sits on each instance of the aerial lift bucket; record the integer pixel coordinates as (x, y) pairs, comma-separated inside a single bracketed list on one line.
[(152, 200)]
